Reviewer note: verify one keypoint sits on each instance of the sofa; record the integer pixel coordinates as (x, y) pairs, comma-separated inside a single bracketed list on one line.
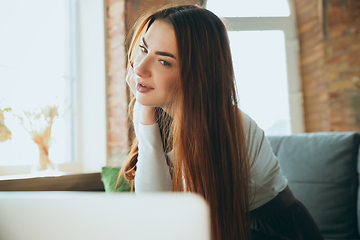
[(323, 173)]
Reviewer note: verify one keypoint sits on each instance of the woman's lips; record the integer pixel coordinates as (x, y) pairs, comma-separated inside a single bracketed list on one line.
[(143, 88)]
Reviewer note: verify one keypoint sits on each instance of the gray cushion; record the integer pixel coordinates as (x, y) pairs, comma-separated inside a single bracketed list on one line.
[(323, 175)]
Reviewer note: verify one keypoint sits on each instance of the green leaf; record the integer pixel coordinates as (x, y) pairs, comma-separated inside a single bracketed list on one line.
[(109, 177)]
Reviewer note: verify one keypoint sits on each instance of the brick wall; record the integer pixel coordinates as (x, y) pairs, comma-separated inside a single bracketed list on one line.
[(329, 34), (310, 31), (342, 58), (116, 87)]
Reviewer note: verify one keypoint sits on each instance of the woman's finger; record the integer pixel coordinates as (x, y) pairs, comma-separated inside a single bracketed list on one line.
[(130, 79)]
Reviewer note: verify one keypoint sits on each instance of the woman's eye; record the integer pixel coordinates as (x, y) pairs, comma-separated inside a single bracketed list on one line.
[(165, 63), (143, 49)]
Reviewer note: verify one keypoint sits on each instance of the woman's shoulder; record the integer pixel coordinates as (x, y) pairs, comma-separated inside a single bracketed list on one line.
[(257, 144), (249, 124)]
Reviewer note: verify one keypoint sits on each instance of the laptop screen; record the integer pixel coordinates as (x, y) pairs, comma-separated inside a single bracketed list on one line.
[(99, 215)]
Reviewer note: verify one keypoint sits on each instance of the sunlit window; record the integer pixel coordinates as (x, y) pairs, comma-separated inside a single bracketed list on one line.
[(35, 72), (264, 50), (262, 92), (253, 8)]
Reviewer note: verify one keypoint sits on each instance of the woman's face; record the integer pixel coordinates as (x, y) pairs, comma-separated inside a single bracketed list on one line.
[(157, 67)]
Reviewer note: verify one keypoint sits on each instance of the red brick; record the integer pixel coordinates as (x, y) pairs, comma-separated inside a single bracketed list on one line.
[(302, 4), (305, 69), (114, 22), (116, 9), (341, 48), (336, 13), (306, 43), (110, 2), (337, 31), (315, 56), (117, 30), (307, 26), (344, 20), (115, 137), (312, 75), (316, 29), (305, 16), (333, 95)]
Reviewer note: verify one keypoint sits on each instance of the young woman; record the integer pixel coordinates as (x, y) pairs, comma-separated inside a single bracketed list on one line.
[(191, 135)]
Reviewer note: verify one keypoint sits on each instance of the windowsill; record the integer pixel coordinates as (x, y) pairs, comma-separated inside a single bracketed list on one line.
[(58, 182)]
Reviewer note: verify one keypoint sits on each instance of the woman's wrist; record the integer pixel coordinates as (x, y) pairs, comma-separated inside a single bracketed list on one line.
[(147, 115)]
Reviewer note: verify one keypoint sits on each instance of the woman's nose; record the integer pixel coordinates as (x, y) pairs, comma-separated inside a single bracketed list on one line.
[(142, 67)]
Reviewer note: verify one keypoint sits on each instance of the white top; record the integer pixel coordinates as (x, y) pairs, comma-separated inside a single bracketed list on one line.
[(152, 174)]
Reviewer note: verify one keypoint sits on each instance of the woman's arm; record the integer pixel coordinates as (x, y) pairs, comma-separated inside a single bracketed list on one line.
[(152, 173), (266, 178)]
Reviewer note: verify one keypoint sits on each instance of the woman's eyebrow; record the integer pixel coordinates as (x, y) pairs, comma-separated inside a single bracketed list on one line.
[(166, 54)]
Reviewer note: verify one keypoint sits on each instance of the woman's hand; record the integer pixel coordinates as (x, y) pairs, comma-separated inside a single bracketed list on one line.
[(147, 114), (130, 80)]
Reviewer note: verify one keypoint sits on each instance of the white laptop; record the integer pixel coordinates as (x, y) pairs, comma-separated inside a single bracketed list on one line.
[(99, 215)]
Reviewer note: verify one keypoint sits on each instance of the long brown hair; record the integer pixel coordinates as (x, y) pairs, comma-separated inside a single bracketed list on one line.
[(206, 131)]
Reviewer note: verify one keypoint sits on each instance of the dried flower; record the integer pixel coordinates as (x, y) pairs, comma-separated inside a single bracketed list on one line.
[(39, 124), (5, 133)]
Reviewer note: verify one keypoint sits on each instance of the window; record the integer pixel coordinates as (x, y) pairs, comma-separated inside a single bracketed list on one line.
[(264, 48), (54, 54), (34, 72)]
